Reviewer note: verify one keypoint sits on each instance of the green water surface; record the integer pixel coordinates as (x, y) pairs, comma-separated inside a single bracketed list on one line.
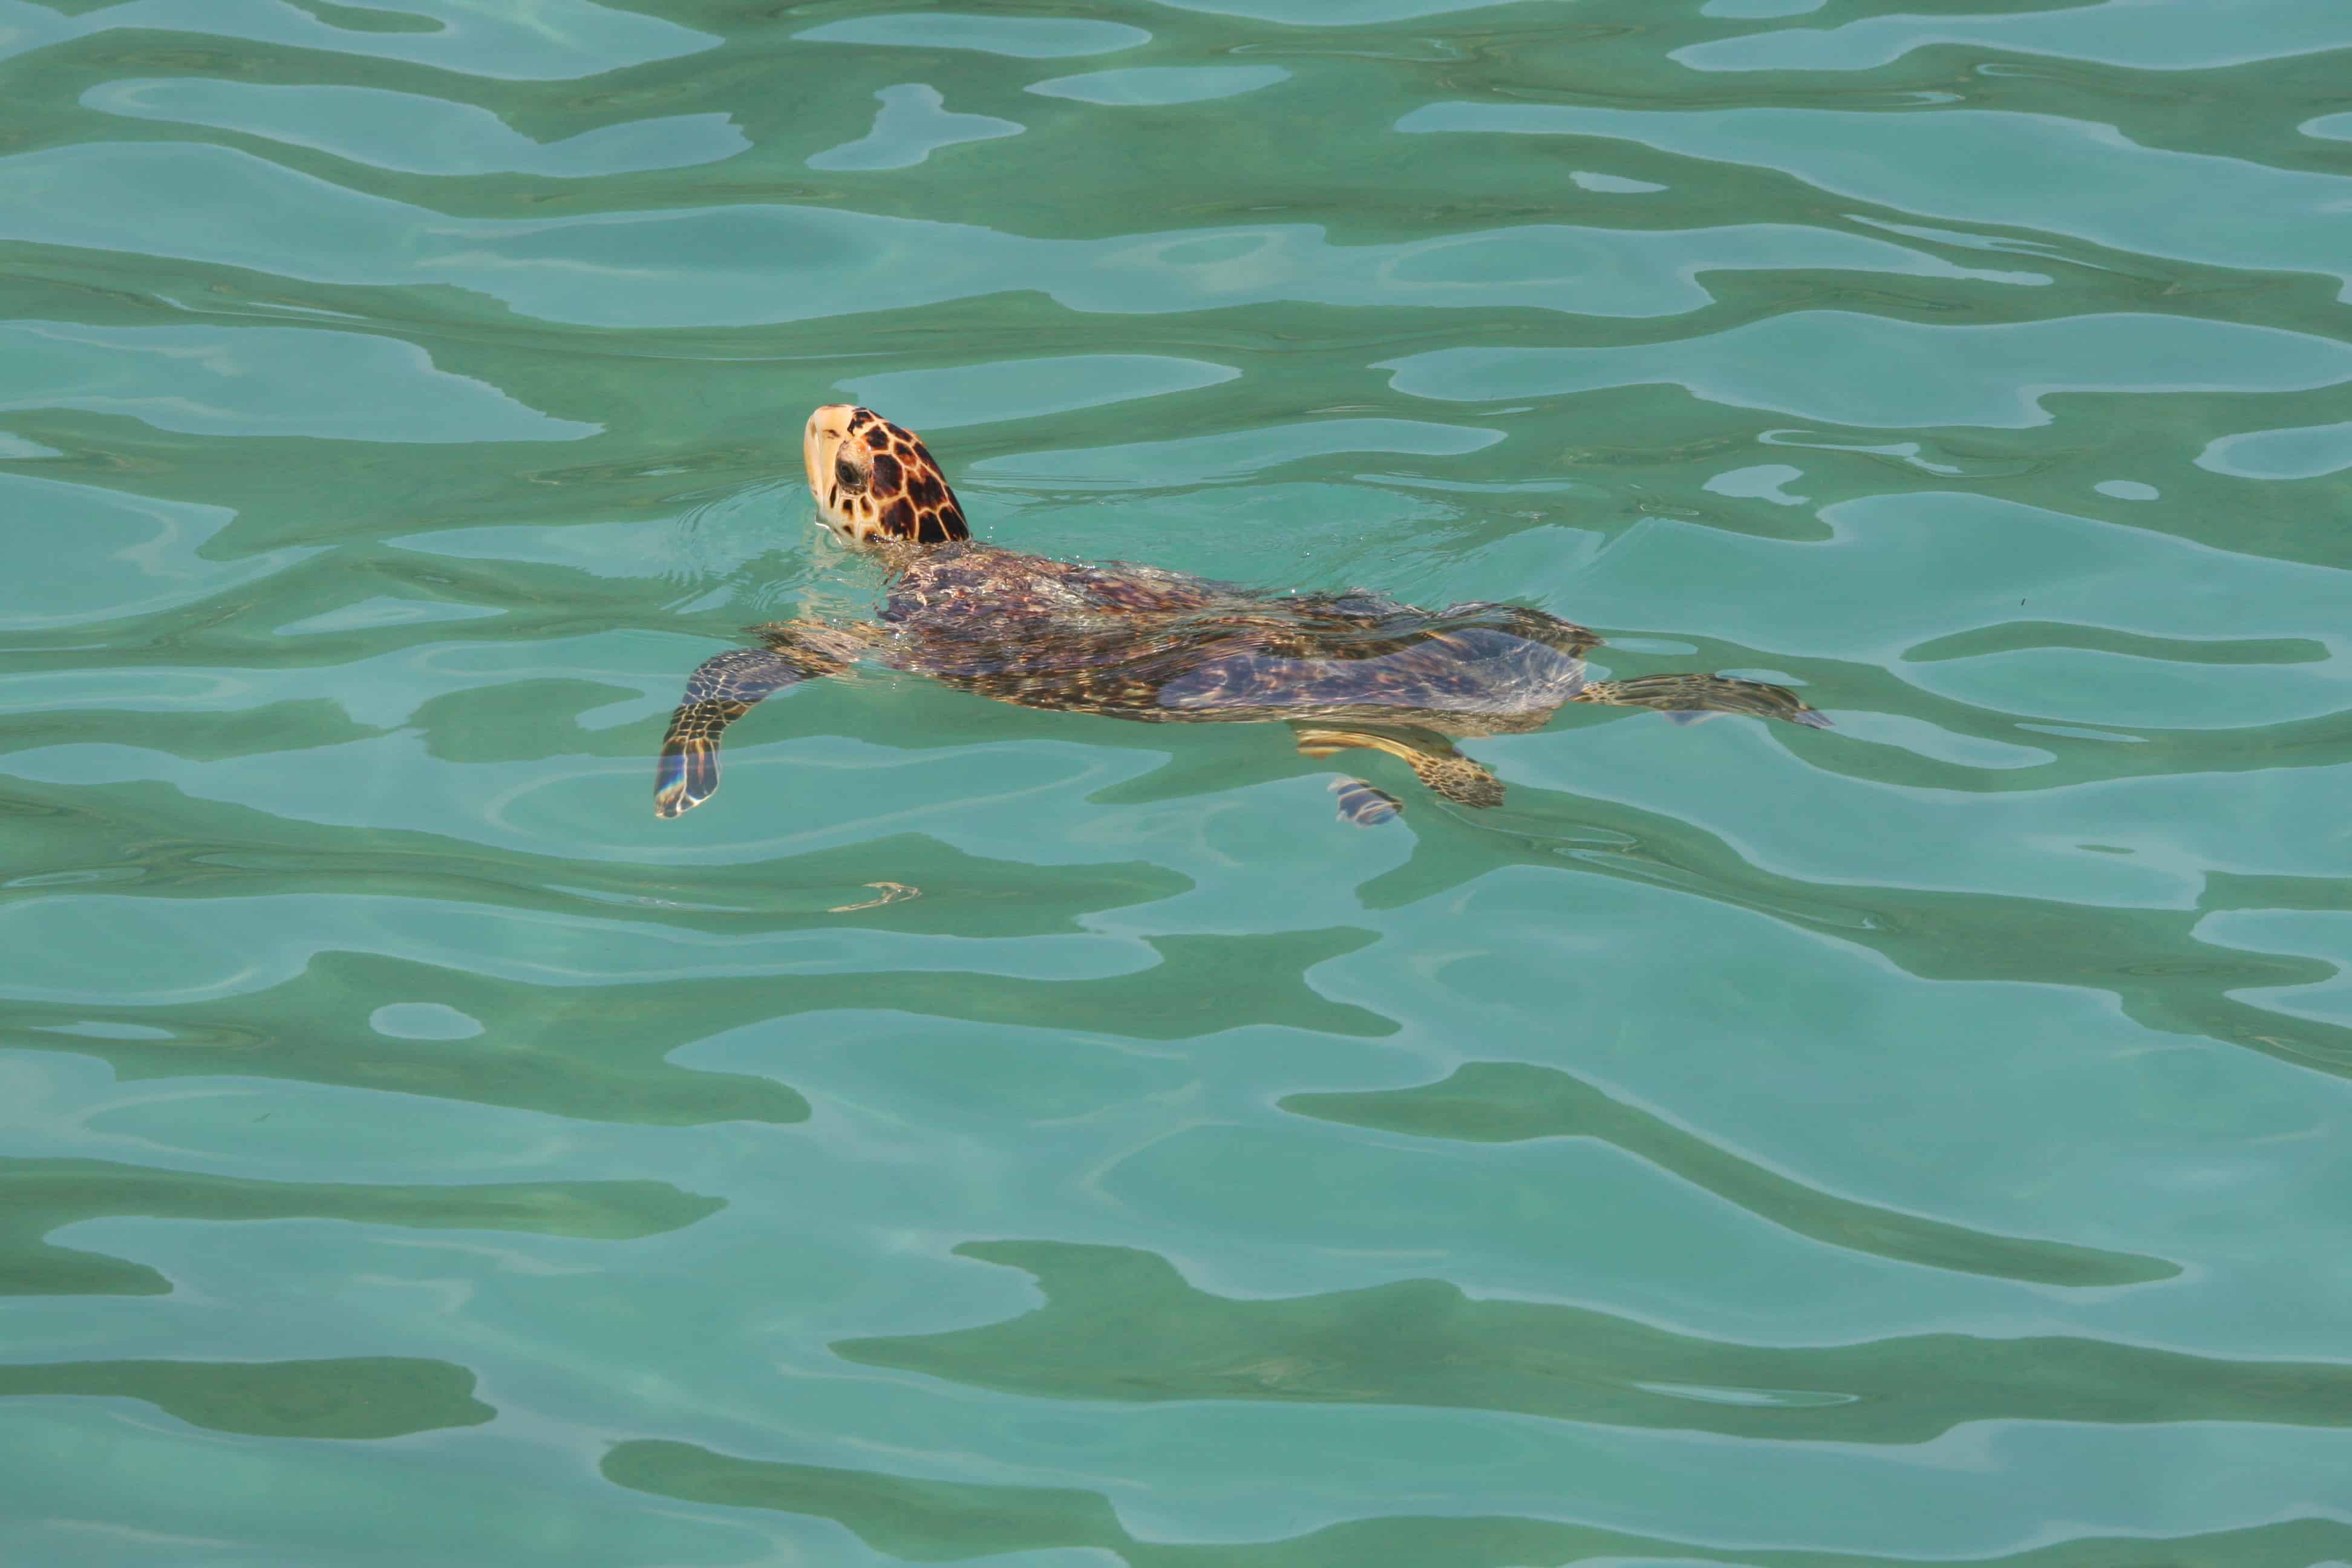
[(990, 1134)]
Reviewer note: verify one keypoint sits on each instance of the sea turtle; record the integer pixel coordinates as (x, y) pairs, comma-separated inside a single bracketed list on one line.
[(1344, 669)]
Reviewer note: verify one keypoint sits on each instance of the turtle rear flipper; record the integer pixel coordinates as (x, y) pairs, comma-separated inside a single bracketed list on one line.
[(1364, 805), (1456, 778), (1431, 758), (1690, 698)]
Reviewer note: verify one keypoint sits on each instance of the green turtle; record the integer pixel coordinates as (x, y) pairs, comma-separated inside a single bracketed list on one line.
[(1346, 670)]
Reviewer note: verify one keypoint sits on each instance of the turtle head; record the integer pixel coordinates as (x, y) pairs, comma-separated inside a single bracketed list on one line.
[(875, 480)]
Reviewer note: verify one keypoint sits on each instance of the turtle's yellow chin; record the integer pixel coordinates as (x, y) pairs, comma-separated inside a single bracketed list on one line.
[(838, 473), (821, 439)]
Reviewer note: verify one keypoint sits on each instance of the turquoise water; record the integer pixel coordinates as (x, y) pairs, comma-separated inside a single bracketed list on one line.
[(979, 1134)]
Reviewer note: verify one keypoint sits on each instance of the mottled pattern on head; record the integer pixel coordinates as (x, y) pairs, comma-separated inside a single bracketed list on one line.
[(875, 480)]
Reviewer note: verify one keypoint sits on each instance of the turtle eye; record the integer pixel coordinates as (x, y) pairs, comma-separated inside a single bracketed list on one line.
[(846, 475)]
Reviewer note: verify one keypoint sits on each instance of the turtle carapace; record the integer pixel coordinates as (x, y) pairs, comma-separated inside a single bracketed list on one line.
[(1346, 670)]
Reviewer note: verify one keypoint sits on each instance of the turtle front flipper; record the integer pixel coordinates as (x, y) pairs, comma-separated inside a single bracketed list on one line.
[(1689, 698), (1431, 758), (722, 690)]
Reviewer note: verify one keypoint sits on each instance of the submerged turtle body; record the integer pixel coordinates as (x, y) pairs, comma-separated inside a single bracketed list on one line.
[(1142, 643), (1155, 646)]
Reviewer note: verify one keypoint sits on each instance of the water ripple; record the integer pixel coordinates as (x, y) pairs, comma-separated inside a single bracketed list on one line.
[(535, 40), (995, 1132)]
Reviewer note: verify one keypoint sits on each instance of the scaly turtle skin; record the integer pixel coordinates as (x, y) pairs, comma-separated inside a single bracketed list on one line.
[(1350, 670)]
